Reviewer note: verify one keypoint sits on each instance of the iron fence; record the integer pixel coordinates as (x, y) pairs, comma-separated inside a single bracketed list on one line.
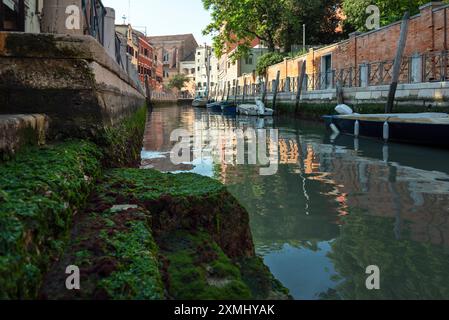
[(429, 67), (435, 66)]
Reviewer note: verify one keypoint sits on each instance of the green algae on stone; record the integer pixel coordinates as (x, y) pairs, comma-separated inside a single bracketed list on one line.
[(122, 143), (117, 257), (40, 192), (260, 280), (197, 269), (206, 248), (137, 275), (182, 202)]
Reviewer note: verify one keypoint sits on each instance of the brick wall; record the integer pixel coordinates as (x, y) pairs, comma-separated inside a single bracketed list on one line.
[(428, 32)]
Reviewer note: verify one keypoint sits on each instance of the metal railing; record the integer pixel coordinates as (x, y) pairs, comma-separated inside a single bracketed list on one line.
[(429, 67), (94, 14), (435, 66)]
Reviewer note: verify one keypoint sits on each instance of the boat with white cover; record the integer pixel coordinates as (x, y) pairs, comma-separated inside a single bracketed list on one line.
[(257, 110), (429, 128)]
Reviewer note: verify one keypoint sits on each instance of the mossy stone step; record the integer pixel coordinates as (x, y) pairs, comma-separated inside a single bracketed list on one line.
[(116, 255), (39, 193), (181, 202)]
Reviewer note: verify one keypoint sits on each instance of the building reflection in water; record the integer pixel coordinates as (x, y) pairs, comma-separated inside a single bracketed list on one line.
[(332, 208)]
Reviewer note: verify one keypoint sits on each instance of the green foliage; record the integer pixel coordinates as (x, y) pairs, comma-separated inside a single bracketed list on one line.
[(321, 20), (267, 60), (40, 191), (178, 81), (275, 23), (240, 22), (390, 11)]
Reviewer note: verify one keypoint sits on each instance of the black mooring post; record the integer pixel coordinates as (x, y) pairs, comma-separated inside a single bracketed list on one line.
[(276, 88)]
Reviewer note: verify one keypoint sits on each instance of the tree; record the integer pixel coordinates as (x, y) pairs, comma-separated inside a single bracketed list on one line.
[(390, 11), (240, 22), (178, 81), (320, 17), (266, 60), (277, 23)]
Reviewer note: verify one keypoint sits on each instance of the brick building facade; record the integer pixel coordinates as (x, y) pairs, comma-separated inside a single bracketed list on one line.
[(171, 50), (145, 62)]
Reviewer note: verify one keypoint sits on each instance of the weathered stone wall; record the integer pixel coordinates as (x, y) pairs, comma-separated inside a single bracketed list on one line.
[(71, 79), (17, 131)]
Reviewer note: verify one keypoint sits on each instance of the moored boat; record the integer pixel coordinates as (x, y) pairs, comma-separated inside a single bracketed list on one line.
[(431, 129), (214, 106), (228, 108), (199, 103), (257, 110)]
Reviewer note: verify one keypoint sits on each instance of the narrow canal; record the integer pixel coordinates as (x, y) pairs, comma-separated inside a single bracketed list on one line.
[(333, 208)]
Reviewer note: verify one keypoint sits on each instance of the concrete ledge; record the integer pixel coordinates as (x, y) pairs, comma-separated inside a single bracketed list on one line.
[(19, 130), (51, 46), (71, 79)]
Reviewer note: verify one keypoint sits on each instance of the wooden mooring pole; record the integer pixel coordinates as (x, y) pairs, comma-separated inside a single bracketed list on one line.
[(300, 80), (223, 93), (264, 90), (148, 92), (398, 63), (276, 88), (244, 90), (236, 91)]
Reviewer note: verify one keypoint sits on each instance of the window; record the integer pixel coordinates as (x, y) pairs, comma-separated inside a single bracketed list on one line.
[(249, 59), (198, 68), (199, 53)]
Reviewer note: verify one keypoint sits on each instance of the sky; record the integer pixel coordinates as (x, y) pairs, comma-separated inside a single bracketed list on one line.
[(163, 17)]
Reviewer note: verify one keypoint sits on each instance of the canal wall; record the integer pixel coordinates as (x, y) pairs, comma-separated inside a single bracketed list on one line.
[(18, 131), (70, 79)]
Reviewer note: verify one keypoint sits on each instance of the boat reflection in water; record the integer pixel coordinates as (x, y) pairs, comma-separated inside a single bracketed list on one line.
[(333, 208)]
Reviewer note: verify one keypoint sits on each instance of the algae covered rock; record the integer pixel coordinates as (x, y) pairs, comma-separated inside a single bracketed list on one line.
[(205, 244), (182, 202), (40, 191), (116, 255)]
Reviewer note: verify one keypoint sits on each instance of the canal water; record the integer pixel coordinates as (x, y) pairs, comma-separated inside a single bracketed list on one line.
[(334, 207)]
